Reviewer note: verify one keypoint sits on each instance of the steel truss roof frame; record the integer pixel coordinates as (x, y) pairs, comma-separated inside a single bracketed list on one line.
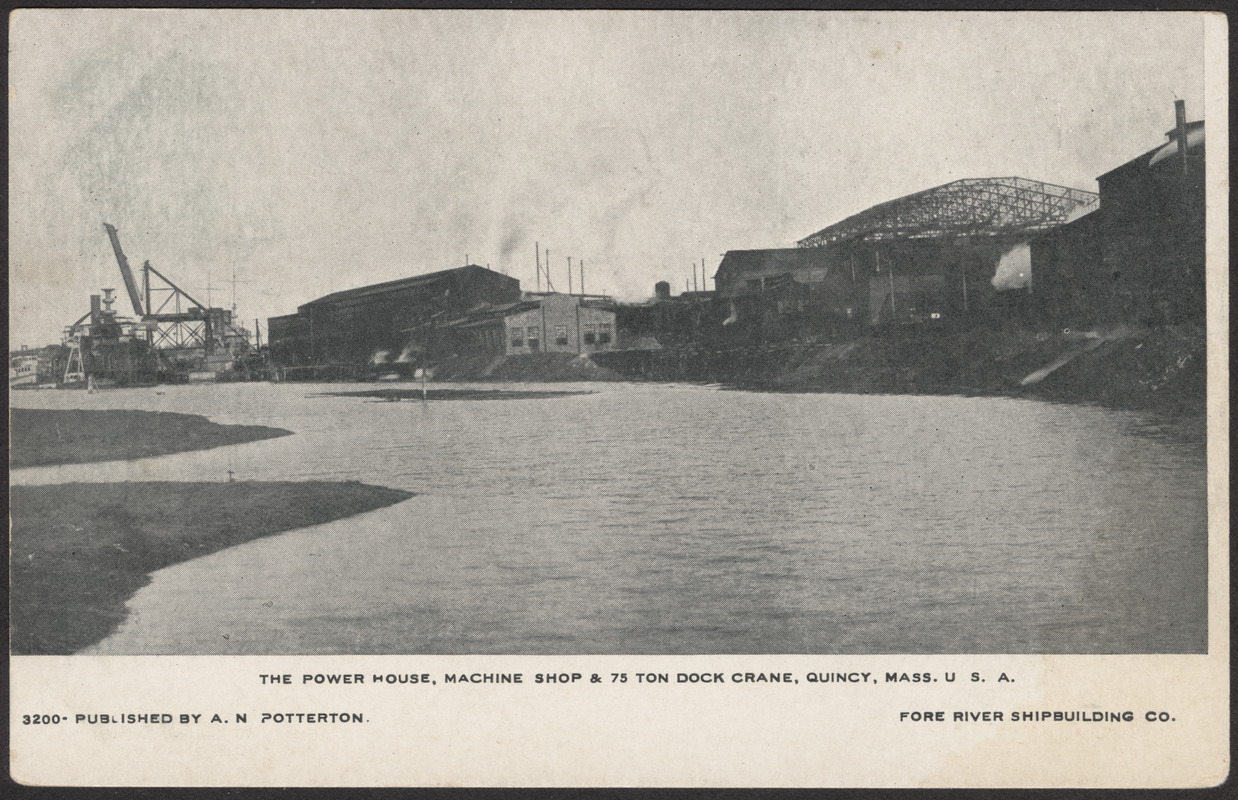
[(967, 207)]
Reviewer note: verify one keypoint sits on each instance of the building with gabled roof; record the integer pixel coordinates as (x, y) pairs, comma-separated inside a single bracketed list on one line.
[(370, 323)]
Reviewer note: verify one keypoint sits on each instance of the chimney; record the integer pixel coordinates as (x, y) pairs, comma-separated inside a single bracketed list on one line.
[(662, 290), (1180, 120), (96, 310)]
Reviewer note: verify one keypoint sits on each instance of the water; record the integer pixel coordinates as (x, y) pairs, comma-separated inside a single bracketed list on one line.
[(667, 519)]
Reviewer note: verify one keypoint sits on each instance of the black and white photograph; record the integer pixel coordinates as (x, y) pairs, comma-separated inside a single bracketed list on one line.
[(506, 333)]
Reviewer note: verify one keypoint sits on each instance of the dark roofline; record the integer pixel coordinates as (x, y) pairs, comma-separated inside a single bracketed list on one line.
[(1172, 138), (401, 283), (1172, 133)]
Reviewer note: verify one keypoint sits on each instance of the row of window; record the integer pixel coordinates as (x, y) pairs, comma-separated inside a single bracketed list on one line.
[(599, 333)]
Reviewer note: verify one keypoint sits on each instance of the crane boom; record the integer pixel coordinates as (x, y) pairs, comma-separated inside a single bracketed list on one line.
[(130, 284)]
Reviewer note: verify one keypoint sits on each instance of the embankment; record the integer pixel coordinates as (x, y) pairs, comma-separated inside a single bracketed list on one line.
[(80, 550), (1160, 369), (40, 437)]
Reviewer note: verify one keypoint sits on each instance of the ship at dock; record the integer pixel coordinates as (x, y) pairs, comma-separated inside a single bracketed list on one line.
[(170, 338)]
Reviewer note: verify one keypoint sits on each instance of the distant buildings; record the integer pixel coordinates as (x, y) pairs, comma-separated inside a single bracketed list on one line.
[(372, 323), (978, 250), (939, 254), (539, 323), (465, 312), (994, 249)]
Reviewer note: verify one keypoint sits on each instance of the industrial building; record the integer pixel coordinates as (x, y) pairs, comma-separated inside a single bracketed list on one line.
[(375, 324), (539, 323), (1152, 229), (667, 321), (940, 254)]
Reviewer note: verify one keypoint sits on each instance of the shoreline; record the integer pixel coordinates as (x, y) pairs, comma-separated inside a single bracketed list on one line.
[(53, 437), (1159, 370), (79, 551)]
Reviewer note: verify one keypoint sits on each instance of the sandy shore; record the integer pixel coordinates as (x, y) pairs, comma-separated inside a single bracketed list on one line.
[(80, 550), (41, 437)]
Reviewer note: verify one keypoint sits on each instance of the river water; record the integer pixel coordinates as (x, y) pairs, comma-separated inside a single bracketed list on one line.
[(674, 519)]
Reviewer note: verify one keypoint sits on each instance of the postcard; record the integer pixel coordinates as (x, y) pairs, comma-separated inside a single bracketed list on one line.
[(618, 398)]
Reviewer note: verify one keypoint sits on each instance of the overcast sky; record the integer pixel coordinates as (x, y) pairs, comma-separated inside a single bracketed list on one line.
[(310, 152)]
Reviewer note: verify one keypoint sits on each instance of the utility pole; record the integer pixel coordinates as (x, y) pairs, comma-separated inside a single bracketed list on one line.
[(893, 310), (582, 277), (569, 276), (537, 255)]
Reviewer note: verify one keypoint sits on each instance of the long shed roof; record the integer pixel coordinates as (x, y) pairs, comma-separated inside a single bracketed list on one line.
[(400, 284)]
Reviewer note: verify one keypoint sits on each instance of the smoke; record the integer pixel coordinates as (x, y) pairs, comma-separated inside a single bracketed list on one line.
[(1014, 269), (405, 355), (511, 241)]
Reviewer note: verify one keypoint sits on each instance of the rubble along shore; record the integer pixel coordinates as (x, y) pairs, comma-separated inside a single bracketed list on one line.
[(78, 551), (1162, 370)]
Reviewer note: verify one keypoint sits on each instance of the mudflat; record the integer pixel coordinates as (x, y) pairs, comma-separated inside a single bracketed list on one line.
[(41, 437), (80, 550)]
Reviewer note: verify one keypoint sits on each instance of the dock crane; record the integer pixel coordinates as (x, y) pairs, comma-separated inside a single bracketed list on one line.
[(182, 329), (131, 285)]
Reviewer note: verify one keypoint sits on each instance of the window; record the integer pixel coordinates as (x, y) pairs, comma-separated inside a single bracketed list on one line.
[(603, 333), (561, 335), (534, 337), (517, 336), (590, 336)]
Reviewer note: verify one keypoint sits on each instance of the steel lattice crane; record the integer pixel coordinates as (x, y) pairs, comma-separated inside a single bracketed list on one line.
[(177, 324)]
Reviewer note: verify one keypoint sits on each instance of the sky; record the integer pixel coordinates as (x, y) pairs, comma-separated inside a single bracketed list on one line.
[(305, 152)]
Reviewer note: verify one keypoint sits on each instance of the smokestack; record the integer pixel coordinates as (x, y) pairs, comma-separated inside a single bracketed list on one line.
[(96, 309), (1180, 120), (662, 290)]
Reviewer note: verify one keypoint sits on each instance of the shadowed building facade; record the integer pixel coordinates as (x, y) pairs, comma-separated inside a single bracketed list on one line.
[(360, 326)]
